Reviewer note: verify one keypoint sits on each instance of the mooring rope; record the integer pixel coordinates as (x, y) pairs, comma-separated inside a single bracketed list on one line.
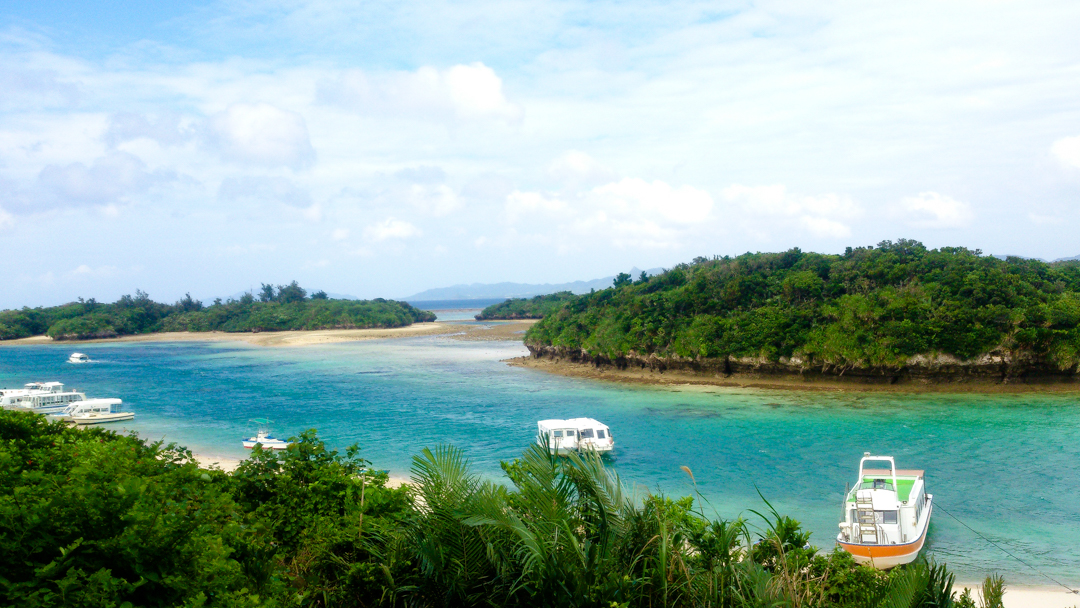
[(976, 532)]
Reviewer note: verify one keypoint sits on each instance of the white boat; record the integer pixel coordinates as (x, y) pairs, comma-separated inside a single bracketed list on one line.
[(78, 358), (40, 397), (575, 435), (96, 411), (886, 514), (263, 438)]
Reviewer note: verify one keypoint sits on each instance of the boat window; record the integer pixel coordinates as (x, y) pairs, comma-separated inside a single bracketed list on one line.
[(569, 433), (557, 434), (886, 517), (586, 434), (600, 434)]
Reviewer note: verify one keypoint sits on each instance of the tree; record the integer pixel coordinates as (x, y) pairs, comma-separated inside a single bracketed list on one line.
[(623, 278), (266, 293), (320, 295), (287, 294)]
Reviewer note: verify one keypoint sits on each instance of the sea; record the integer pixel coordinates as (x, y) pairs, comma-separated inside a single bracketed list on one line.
[(1003, 468)]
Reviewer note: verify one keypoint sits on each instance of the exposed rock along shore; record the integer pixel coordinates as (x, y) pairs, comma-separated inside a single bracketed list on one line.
[(991, 368)]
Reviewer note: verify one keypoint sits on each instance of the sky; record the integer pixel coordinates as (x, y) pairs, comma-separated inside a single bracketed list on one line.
[(383, 148)]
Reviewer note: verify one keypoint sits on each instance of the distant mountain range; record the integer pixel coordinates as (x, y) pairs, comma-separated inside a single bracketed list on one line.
[(484, 291), (1024, 257)]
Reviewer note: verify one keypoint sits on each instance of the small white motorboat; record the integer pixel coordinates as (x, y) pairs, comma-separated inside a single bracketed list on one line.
[(263, 438), (886, 515), (96, 411), (78, 358), (575, 435)]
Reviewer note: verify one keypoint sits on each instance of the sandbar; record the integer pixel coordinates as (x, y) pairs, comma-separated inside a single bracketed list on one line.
[(486, 331)]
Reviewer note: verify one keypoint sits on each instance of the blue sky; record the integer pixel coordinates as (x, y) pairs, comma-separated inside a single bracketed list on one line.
[(380, 149)]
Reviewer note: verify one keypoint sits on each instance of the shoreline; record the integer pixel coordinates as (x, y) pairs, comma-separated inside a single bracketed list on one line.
[(499, 330), (683, 379)]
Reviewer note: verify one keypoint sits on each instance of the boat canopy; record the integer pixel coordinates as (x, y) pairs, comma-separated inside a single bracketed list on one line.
[(585, 427)]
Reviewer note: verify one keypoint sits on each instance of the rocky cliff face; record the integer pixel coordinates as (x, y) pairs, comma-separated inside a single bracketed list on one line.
[(940, 368)]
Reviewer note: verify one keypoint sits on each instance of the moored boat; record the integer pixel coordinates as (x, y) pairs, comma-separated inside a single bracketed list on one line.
[(575, 435), (78, 358), (96, 411), (40, 397), (886, 514), (263, 438)]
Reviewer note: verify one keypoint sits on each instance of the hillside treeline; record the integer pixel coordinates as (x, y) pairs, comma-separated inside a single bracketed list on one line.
[(285, 307), (870, 307), (89, 518), (526, 308)]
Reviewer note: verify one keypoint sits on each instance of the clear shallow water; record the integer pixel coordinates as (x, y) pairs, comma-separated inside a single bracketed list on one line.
[(1004, 464)]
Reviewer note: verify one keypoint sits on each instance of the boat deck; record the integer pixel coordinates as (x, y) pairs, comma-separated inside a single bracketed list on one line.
[(905, 479)]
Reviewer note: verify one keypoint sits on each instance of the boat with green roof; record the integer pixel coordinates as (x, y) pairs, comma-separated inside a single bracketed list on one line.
[(886, 514)]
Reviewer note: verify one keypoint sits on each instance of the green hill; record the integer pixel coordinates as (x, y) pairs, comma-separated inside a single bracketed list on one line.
[(889, 310), (526, 308), (286, 307)]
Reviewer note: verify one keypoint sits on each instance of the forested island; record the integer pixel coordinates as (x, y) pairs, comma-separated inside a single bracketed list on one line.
[(526, 308), (94, 518), (893, 312), (281, 308)]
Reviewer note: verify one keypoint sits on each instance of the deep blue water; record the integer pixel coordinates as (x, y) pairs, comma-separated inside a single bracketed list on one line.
[(1004, 464)]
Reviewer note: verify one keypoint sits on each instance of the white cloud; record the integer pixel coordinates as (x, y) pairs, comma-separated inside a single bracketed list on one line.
[(83, 271), (261, 134), (1067, 151), (436, 200), (167, 128), (822, 215), (390, 228), (519, 204), (461, 92), (108, 179), (819, 226), (933, 210), (6, 219), (263, 189), (576, 168), (683, 205), (628, 213), (340, 234)]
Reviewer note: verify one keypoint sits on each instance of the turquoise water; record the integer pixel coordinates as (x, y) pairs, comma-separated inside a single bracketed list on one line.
[(1004, 464)]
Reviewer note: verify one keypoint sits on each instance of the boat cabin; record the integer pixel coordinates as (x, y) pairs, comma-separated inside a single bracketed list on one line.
[(575, 434), (94, 406), (41, 397)]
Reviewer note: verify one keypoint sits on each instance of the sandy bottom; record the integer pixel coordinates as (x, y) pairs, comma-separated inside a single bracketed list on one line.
[(495, 330), (675, 378), (1029, 597)]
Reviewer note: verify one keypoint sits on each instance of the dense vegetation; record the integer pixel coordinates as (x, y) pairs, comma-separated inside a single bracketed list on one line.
[(283, 308), (870, 307), (526, 308), (91, 518)]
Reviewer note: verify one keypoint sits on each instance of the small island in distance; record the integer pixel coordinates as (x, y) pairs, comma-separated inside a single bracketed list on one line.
[(284, 308), (894, 313)]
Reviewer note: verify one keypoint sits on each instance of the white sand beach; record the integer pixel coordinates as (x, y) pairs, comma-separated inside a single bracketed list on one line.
[(1029, 596), (268, 338)]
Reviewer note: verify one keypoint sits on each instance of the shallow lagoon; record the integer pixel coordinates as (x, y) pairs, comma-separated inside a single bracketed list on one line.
[(1004, 464)]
